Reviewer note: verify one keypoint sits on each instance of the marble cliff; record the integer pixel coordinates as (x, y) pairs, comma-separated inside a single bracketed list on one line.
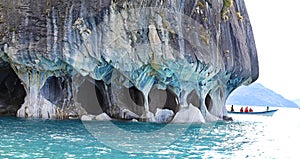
[(147, 60)]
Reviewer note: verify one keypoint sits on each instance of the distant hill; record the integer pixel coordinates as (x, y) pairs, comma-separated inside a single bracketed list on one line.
[(258, 95), (297, 101)]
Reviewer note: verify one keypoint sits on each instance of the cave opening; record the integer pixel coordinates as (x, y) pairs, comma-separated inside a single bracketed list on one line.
[(163, 99), (91, 96), (172, 101), (131, 99), (12, 92), (52, 90), (194, 99), (208, 102), (137, 96), (103, 96)]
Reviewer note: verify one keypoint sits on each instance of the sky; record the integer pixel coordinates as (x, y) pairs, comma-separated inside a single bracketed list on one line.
[(276, 27)]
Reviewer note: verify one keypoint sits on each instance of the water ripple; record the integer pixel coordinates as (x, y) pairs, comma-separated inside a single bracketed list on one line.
[(257, 137)]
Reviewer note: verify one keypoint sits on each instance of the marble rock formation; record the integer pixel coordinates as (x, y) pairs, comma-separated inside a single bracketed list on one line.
[(128, 59)]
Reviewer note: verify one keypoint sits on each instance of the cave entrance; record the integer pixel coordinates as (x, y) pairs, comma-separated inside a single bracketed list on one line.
[(12, 92), (194, 99), (91, 96), (52, 90), (137, 96), (208, 102), (163, 99), (103, 96), (130, 101)]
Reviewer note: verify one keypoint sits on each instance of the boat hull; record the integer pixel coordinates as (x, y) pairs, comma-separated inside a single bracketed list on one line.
[(268, 113)]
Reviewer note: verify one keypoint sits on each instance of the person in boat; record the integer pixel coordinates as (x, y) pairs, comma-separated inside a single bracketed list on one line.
[(250, 110), (246, 110), (241, 110), (267, 108), (231, 109)]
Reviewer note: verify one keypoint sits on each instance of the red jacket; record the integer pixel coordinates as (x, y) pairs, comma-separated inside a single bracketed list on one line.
[(246, 109)]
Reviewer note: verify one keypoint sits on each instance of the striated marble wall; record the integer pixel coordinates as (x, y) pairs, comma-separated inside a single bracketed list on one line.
[(127, 58)]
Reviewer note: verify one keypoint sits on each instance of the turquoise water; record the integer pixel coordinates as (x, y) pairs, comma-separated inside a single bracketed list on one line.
[(246, 137)]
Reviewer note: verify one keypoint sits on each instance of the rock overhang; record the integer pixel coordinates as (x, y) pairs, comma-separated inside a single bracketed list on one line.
[(187, 48)]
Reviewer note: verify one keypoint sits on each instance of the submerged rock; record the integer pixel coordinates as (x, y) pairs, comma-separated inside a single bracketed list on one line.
[(88, 117), (89, 57), (227, 118), (100, 117), (103, 117), (128, 115), (163, 115)]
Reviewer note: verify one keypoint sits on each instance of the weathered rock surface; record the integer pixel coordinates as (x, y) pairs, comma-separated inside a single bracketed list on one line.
[(189, 114), (88, 57)]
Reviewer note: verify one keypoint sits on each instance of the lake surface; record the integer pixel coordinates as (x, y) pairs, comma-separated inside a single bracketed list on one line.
[(245, 137)]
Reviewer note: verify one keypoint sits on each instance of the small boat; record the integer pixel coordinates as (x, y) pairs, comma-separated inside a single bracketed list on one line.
[(267, 112)]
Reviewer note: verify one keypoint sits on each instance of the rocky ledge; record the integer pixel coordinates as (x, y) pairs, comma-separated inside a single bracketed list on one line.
[(146, 60)]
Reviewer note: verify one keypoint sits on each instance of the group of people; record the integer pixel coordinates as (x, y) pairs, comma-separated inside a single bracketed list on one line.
[(246, 109), (242, 109)]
